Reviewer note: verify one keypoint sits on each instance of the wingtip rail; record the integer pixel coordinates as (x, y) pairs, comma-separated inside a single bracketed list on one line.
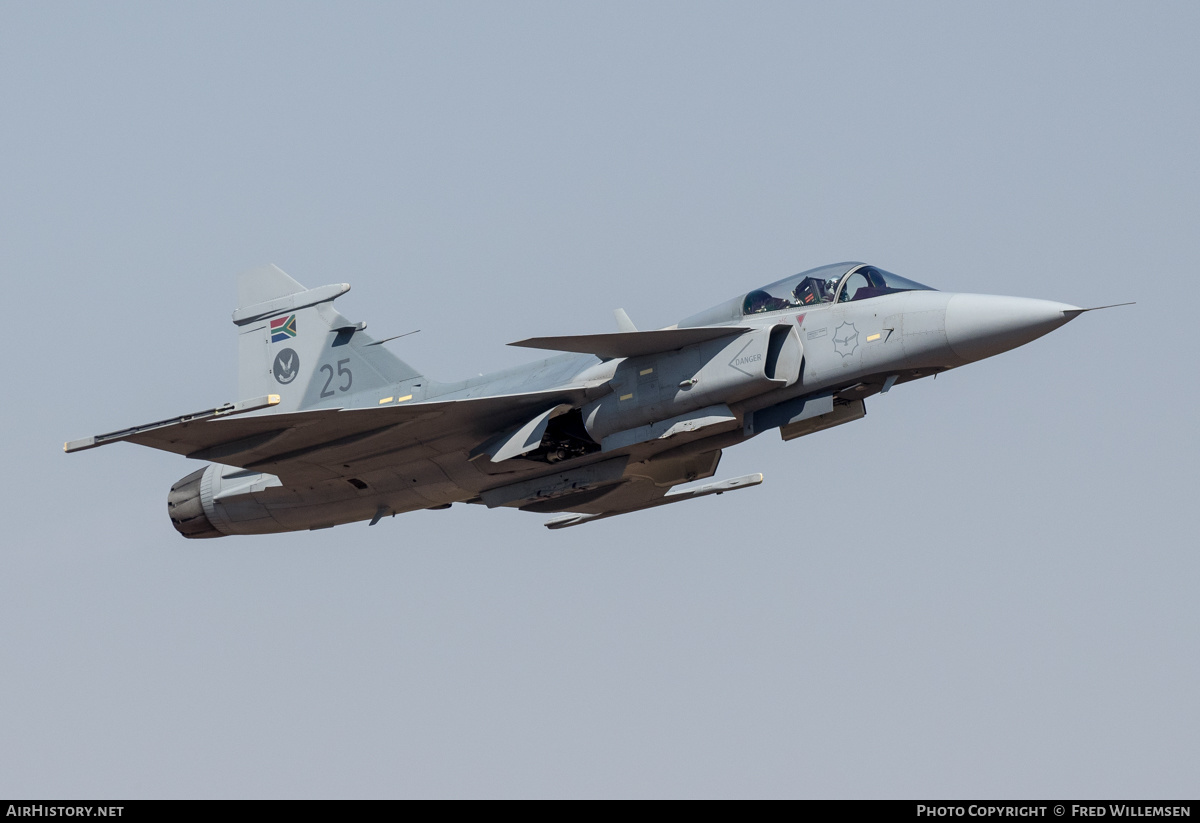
[(266, 401)]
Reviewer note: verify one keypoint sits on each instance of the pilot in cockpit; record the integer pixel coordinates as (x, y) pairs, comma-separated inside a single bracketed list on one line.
[(759, 301)]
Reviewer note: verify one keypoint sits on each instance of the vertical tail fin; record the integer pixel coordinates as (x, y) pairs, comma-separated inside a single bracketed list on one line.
[(294, 343)]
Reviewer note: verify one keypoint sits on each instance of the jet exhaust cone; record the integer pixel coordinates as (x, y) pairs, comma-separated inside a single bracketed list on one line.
[(186, 510)]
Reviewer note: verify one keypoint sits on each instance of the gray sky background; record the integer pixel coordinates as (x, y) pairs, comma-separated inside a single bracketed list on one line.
[(987, 588)]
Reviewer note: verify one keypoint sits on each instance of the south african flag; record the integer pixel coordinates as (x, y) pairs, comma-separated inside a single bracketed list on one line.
[(283, 328)]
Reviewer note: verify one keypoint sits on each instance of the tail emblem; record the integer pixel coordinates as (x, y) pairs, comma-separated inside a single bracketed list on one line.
[(283, 328), (287, 366)]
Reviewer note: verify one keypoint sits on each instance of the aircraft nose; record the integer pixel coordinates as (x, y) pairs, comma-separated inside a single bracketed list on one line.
[(982, 325)]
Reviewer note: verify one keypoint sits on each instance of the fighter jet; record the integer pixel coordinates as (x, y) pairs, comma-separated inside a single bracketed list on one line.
[(333, 428)]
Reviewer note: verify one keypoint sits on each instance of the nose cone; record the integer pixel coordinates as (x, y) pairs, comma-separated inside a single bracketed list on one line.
[(981, 325)]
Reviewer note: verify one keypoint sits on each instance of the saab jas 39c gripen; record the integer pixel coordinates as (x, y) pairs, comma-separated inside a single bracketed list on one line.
[(333, 428)]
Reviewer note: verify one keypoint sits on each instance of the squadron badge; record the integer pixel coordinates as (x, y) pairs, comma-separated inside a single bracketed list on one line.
[(287, 366), (845, 339)]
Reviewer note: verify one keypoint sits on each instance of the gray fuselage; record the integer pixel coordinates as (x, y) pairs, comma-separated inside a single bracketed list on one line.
[(657, 418)]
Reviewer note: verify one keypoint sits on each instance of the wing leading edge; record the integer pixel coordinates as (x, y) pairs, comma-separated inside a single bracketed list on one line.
[(632, 343)]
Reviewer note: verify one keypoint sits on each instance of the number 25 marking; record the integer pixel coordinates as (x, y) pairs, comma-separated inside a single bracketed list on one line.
[(325, 392)]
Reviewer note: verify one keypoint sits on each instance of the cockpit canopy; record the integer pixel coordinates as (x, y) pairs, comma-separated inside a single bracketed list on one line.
[(814, 287), (840, 283)]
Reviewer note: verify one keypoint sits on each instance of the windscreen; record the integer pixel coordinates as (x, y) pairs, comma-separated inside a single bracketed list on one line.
[(869, 281)]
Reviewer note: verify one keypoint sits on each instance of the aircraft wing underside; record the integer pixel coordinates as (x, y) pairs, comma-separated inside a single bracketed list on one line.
[(321, 444)]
